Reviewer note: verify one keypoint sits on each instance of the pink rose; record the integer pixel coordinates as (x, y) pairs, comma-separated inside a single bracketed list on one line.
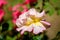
[(31, 21)]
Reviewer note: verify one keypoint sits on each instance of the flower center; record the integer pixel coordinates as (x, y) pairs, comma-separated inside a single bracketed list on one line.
[(34, 20)]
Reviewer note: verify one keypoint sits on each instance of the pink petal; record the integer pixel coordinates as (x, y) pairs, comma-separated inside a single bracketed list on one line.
[(21, 28), (18, 23), (22, 32), (46, 23), (16, 14), (43, 19), (21, 21), (32, 12), (30, 1), (37, 30), (42, 14), (42, 28), (30, 28)]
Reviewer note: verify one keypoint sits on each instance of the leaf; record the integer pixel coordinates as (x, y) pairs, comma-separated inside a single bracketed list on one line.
[(18, 34), (26, 33), (49, 7), (28, 6), (10, 25), (58, 12), (10, 38), (14, 2), (38, 37), (1, 38), (0, 28), (55, 3)]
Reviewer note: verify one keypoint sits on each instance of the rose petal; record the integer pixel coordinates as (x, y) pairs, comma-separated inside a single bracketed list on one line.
[(21, 28), (22, 32), (38, 29), (18, 23), (32, 11), (46, 23), (30, 28), (40, 14)]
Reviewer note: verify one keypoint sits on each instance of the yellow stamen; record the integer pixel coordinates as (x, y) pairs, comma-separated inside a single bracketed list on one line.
[(35, 21)]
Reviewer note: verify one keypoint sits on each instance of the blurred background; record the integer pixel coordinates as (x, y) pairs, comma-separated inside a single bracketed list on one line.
[(52, 8)]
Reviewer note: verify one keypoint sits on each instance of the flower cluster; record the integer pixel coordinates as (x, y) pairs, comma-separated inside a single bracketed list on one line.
[(31, 21)]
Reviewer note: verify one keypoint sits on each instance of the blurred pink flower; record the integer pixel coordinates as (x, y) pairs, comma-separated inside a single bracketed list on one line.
[(2, 2), (31, 21), (16, 7), (15, 16), (16, 11), (1, 14), (30, 1)]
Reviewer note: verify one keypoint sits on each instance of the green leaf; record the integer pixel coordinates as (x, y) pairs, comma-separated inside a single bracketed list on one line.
[(58, 12), (18, 34), (8, 14), (1, 38), (10, 38), (38, 37), (55, 3), (14, 2), (28, 6), (10, 25), (50, 8), (0, 28)]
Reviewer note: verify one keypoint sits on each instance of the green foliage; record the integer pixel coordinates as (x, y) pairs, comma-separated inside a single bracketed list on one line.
[(14, 2), (48, 7), (58, 12), (10, 25), (1, 38), (55, 3), (38, 37), (0, 28), (10, 38)]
